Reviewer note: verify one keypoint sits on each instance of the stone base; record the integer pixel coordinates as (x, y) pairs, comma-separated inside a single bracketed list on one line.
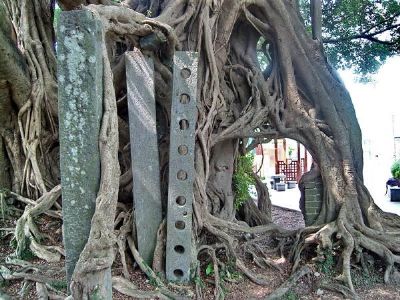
[(395, 194), (311, 199)]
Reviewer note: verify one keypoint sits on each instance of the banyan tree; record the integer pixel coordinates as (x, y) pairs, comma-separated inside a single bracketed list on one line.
[(294, 93)]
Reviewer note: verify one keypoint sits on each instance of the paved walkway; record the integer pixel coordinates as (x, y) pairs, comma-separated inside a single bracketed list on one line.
[(291, 198), (287, 199)]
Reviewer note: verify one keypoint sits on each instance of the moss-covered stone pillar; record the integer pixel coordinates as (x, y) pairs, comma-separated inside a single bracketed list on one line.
[(80, 94)]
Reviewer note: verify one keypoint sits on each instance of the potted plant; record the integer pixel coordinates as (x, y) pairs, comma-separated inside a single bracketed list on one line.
[(394, 182)]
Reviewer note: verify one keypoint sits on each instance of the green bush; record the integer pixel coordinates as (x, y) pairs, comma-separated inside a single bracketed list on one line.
[(396, 170), (242, 179)]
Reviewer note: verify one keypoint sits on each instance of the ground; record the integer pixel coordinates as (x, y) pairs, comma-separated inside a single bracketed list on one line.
[(236, 286)]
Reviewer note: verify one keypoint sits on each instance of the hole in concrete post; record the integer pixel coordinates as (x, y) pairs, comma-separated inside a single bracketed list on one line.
[(180, 200), (185, 73), (185, 213), (180, 225), (179, 249), (182, 175), (178, 273), (183, 124), (183, 150), (184, 98)]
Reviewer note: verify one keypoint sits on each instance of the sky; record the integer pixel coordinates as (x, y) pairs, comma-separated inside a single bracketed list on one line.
[(377, 109)]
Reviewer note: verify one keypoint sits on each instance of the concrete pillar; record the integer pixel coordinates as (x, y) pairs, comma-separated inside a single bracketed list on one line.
[(179, 252), (144, 151)]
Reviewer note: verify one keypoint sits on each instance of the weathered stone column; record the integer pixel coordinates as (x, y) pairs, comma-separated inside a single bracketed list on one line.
[(80, 96), (144, 151), (179, 251)]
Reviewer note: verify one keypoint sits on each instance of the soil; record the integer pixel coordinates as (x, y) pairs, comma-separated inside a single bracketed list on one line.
[(236, 286)]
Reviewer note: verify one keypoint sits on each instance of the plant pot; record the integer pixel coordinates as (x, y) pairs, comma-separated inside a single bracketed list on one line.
[(395, 194), (291, 184), (280, 186)]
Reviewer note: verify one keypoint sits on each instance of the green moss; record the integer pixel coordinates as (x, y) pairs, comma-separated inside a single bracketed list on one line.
[(242, 179)]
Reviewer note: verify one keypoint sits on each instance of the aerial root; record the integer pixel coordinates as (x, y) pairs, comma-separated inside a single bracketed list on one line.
[(291, 281), (159, 251), (121, 235), (126, 287), (263, 261), (123, 284), (210, 250), (43, 277), (351, 241), (26, 232), (231, 243), (341, 289), (148, 271)]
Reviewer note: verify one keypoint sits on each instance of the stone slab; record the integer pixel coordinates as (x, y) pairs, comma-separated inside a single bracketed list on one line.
[(144, 151), (179, 251), (80, 96)]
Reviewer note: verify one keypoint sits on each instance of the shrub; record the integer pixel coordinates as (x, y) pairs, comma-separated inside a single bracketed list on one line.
[(242, 179), (396, 170)]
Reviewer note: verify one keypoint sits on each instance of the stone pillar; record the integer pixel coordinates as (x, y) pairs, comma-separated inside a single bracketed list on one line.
[(144, 151), (80, 96), (179, 256)]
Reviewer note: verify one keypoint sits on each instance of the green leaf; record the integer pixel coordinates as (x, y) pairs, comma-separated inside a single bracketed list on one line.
[(243, 179), (210, 269)]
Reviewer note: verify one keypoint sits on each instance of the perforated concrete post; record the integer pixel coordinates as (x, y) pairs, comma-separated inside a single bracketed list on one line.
[(80, 96), (179, 256), (144, 151)]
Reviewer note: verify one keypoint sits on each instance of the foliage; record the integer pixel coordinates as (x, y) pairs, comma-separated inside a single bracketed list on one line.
[(230, 273), (59, 284), (358, 34), (57, 13), (210, 269), (227, 273), (243, 178), (290, 295), (367, 276), (326, 265), (290, 152), (396, 170)]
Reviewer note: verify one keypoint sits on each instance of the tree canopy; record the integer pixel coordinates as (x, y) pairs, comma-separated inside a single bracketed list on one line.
[(359, 34)]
